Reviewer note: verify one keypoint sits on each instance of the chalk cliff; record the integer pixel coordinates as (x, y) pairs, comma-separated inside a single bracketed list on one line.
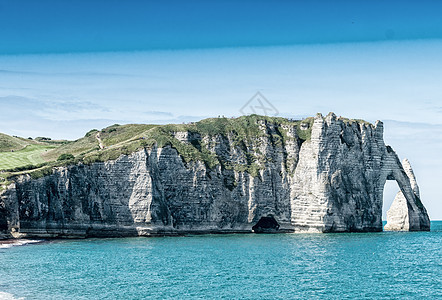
[(329, 180)]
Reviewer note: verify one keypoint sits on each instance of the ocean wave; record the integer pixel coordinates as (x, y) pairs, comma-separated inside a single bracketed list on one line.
[(8, 296), (19, 242)]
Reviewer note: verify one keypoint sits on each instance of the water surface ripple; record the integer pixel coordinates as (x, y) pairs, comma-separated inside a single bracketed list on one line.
[(386, 265)]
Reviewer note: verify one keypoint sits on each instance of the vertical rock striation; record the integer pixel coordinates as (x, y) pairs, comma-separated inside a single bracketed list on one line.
[(281, 179), (340, 178)]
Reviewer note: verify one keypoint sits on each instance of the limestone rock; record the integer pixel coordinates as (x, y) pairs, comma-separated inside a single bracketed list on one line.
[(330, 182)]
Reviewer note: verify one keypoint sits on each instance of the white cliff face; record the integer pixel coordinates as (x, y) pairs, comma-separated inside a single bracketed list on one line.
[(330, 183), (397, 216), (340, 178)]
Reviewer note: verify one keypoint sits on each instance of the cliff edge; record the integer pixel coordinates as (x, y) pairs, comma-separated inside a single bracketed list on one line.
[(251, 173)]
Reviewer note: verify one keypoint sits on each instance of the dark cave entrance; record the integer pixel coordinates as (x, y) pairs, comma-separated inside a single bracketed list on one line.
[(3, 224), (266, 225)]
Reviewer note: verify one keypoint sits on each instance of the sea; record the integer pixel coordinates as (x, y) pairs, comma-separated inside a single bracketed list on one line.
[(384, 265)]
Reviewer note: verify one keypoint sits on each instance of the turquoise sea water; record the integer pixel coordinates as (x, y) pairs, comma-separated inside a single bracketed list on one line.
[(386, 265)]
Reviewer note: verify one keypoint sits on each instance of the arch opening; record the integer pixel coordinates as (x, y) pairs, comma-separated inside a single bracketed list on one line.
[(390, 191), (391, 188)]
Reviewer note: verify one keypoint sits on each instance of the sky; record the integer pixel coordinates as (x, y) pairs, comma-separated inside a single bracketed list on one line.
[(67, 67)]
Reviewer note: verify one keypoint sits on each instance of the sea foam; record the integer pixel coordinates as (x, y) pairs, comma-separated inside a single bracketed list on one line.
[(7, 296), (19, 242)]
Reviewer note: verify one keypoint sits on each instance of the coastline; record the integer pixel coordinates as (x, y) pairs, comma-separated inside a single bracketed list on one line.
[(5, 244), (23, 241)]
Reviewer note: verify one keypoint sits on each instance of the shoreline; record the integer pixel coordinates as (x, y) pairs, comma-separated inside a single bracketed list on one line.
[(23, 241), (9, 243)]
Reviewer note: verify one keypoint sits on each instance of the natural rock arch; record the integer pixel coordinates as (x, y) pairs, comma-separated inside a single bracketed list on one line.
[(407, 212), (338, 184)]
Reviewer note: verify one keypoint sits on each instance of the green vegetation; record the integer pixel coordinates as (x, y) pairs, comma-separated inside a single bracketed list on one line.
[(246, 133), (244, 127), (116, 134), (163, 136), (357, 121), (9, 143), (65, 156), (91, 132), (28, 156), (304, 129), (83, 145)]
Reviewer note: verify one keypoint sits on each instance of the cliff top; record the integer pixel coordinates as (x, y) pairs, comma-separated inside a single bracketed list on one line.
[(38, 157)]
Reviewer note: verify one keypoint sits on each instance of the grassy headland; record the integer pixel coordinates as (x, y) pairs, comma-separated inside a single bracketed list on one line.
[(38, 157)]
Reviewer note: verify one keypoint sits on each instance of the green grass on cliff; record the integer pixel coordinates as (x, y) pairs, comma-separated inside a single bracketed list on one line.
[(75, 148), (10, 143), (29, 156), (39, 157), (113, 137), (116, 134), (351, 121), (305, 134)]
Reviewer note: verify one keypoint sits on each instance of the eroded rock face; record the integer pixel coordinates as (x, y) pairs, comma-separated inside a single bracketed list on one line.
[(339, 181), (331, 183)]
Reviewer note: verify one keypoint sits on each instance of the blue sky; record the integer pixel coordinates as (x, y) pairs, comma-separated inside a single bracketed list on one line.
[(67, 67), (95, 26)]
